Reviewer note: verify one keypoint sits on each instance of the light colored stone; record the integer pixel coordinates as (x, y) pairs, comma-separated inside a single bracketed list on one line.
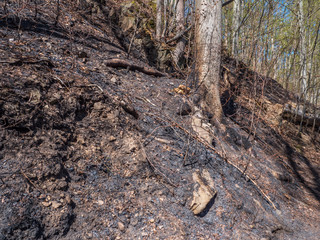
[(100, 202), (98, 106), (113, 80), (203, 192), (46, 204), (121, 226), (112, 139), (56, 204)]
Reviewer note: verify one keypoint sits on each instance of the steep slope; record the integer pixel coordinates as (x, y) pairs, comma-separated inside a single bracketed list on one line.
[(90, 151)]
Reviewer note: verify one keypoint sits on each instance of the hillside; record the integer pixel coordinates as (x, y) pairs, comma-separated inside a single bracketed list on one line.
[(90, 150)]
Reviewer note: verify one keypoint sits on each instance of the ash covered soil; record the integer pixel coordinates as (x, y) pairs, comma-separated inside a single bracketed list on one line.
[(93, 152)]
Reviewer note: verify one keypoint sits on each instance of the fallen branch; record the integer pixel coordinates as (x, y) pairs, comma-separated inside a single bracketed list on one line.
[(116, 62), (297, 116), (29, 60), (123, 102)]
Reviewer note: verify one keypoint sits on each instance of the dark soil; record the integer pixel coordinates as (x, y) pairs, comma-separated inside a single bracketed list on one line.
[(94, 152)]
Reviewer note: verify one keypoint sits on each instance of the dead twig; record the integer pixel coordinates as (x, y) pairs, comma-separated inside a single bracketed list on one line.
[(155, 169), (28, 179), (161, 173)]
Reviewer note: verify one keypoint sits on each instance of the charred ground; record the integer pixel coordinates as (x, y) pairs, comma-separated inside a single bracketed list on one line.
[(94, 152)]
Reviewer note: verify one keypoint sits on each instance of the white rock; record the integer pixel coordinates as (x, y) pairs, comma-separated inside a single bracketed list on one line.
[(203, 193)]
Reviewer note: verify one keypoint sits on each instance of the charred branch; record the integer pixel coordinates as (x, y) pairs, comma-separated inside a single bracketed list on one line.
[(122, 63)]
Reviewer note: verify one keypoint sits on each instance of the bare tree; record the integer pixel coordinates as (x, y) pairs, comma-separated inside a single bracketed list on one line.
[(159, 19), (303, 54), (180, 19), (208, 54), (236, 26)]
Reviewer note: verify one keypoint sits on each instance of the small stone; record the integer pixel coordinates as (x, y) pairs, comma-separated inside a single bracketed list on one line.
[(121, 226), (100, 202), (113, 80), (56, 204), (152, 220), (49, 45), (112, 139), (46, 204), (98, 106)]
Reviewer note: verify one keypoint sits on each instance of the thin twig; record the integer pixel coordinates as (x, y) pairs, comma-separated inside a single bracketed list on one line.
[(28, 179), (154, 167)]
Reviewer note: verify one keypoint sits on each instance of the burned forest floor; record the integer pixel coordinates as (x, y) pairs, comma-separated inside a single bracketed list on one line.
[(90, 150)]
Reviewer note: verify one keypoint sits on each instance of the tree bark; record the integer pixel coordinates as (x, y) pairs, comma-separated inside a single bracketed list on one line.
[(303, 61), (208, 54), (303, 54), (178, 51), (236, 26), (159, 19)]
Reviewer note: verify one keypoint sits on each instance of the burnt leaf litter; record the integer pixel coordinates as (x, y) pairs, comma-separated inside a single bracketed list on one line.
[(94, 151)]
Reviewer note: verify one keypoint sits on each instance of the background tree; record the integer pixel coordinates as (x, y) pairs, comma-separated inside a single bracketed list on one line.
[(159, 23), (236, 21), (180, 20)]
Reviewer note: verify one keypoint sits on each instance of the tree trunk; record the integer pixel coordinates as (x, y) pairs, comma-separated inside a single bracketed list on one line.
[(159, 19), (303, 54), (178, 51), (236, 26), (303, 60), (208, 54), (165, 18)]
